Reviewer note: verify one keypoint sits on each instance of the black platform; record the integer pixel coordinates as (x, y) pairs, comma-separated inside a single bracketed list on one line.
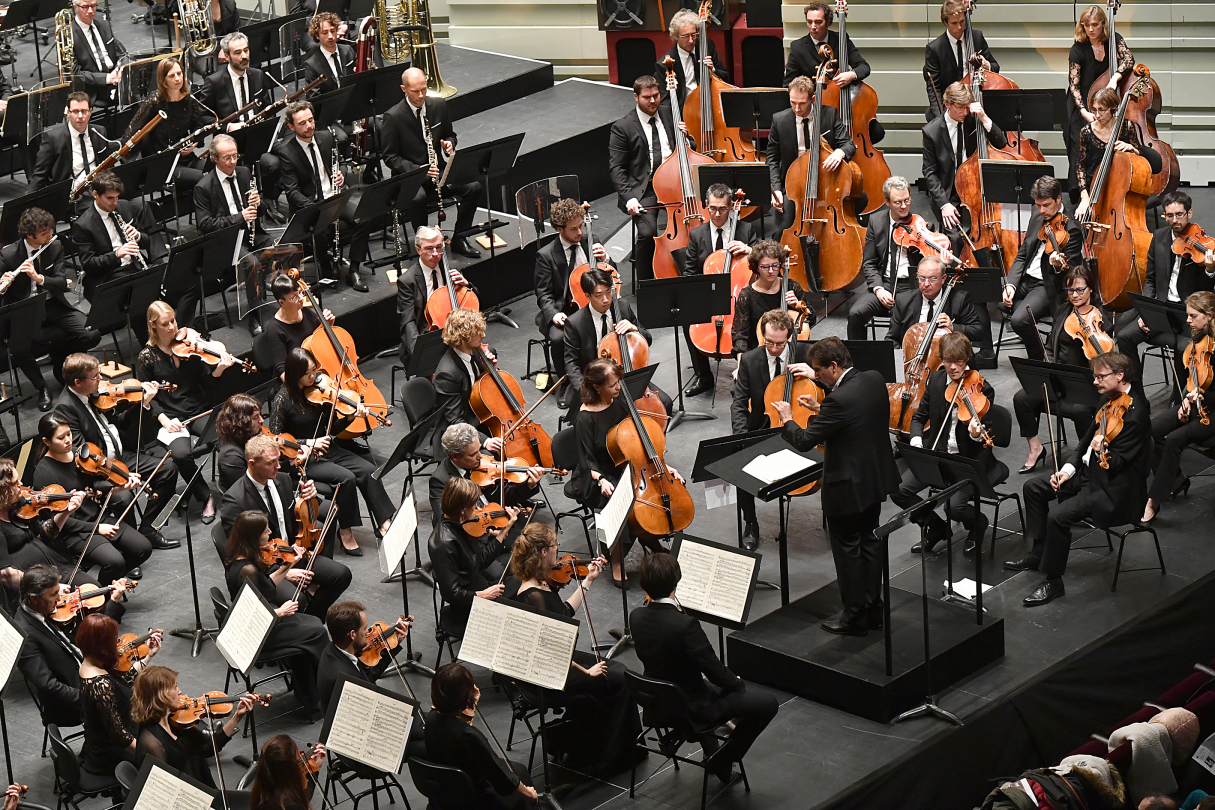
[(483, 80), (788, 650)]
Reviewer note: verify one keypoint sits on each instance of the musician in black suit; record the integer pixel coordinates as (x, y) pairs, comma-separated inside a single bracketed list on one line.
[(858, 473), (95, 54), (633, 157), (418, 283), (963, 439), (787, 141), (889, 268), (757, 368), (723, 231), (1034, 286), (1169, 278), (948, 141), (63, 329), (69, 151), (347, 626), (330, 60), (49, 658), (804, 58), (403, 142), (684, 30), (924, 304), (673, 647), (944, 62), (1083, 488), (453, 378), (462, 454), (110, 246)]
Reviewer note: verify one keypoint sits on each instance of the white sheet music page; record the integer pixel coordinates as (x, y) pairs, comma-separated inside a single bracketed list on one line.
[(10, 647), (400, 532), (370, 728), (246, 626), (775, 466), (609, 521), (714, 581), (164, 791), (518, 643)]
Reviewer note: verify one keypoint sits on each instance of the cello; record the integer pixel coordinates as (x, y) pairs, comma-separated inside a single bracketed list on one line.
[(497, 400), (801, 323), (921, 357), (574, 285), (858, 106), (789, 389), (443, 301), (702, 110), (630, 351), (675, 190), (827, 242), (707, 337), (1116, 237)]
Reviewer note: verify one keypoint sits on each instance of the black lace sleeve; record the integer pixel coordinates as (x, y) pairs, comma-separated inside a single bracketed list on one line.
[(1126, 59), (143, 116), (101, 693), (742, 326), (1087, 143), (1073, 77), (278, 411)]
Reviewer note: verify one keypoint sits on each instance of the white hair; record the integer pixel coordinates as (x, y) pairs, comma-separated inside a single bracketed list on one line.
[(679, 19), (458, 437), (213, 147), (893, 182), (424, 233)]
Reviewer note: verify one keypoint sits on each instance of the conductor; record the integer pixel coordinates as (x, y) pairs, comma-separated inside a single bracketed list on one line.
[(858, 473)]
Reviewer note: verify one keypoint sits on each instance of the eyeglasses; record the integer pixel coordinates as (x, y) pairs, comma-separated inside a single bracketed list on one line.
[(928, 279), (92, 7), (774, 344), (718, 209), (1099, 377), (1074, 290), (1182, 215), (769, 267)]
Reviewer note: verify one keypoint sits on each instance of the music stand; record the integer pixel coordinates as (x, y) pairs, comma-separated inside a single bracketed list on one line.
[(375, 92), (752, 178), (327, 107), (1009, 182), (263, 37), (753, 107), (387, 195), (145, 174), (1020, 110), (984, 285), (405, 451), (115, 300), (29, 12), (873, 355), (255, 140), (19, 323), (731, 467), (1165, 317), (678, 302), (312, 219), (1072, 384), (53, 199), (202, 260), (428, 350)]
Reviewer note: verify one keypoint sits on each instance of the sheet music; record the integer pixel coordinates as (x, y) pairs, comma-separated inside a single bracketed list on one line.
[(518, 643), (10, 647), (776, 466), (609, 521), (246, 627), (164, 791), (370, 728), (166, 438), (400, 532), (714, 581)]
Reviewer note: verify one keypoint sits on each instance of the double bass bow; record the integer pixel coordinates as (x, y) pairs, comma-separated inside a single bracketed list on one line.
[(702, 110), (676, 190), (707, 337)]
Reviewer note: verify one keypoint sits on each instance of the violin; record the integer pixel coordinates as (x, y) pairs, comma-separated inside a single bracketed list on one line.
[(131, 648), (91, 461), (497, 400), (1197, 359), (675, 188), (513, 469), (279, 553), (87, 598), (308, 520), (1088, 329), (32, 503), (1053, 234), (1109, 424), (490, 516), (109, 394), (916, 234), (287, 445), (1194, 243), (575, 280), (445, 300), (189, 343), (381, 636), (713, 338), (344, 400), (968, 397), (216, 704), (567, 568)]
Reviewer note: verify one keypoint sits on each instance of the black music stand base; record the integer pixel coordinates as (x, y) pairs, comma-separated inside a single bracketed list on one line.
[(412, 663), (625, 640), (759, 583)]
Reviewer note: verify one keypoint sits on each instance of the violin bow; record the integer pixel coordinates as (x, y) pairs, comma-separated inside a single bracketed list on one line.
[(89, 539), (948, 408), (548, 796), (219, 766), (1050, 430), (310, 776), (526, 414), (397, 668), (586, 608), (198, 416), (142, 487), (316, 552), (1037, 334)]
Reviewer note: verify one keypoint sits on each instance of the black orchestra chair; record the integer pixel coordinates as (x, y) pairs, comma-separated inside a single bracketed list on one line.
[(1137, 527), (343, 771), (448, 630), (445, 787), (523, 710), (665, 715), (126, 773), (565, 457), (263, 354), (72, 782), (418, 400), (546, 348)]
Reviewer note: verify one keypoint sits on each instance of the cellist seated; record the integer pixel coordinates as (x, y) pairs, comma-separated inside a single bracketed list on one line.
[(937, 411), (957, 314), (604, 314)]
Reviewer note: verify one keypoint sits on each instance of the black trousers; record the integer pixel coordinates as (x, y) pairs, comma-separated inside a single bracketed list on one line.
[(867, 307), (354, 460), (331, 579), (1130, 337), (180, 450), (959, 505), (1032, 298), (1029, 407), (700, 360), (647, 229), (1172, 437), (858, 558), (64, 331), (467, 197), (751, 713), (1050, 515), (556, 350), (301, 639), (115, 556)]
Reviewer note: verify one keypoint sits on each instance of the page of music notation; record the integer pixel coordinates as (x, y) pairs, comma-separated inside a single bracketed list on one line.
[(247, 625), (714, 581), (370, 728), (610, 520), (164, 791), (10, 647), (400, 532), (518, 643)]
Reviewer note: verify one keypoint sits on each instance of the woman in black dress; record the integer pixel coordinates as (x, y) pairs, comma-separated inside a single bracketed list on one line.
[(185, 115), (157, 364), (1095, 136), (338, 461), (762, 294), (239, 420), (1087, 60), (466, 567), (105, 695), (293, 630), (279, 782), (187, 748), (24, 544), (117, 547), (292, 323)]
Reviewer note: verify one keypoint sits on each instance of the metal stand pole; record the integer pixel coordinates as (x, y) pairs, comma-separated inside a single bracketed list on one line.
[(680, 414), (198, 633), (411, 664)]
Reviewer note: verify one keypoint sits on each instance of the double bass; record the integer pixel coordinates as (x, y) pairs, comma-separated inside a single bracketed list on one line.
[(676, 190), (702, 109), (827, 242), (858, 105), (713, 338), (1116, 236)]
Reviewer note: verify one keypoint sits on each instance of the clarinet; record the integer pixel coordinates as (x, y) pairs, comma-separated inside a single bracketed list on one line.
[(333, 188), (252, 226), (434, 161), (126, 231)]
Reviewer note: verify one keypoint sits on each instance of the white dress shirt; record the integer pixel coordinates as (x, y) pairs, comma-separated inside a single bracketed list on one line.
[(275, 502), (327, 189), (92, 35), (800, 127), (113, 442), (599, 319), (333, 60), (579, 253), (662, 134), (466, 359), (234, 206), (79, 165), (1034, 268), (117, 239), (238, 93), (691, 73), (926, 305)]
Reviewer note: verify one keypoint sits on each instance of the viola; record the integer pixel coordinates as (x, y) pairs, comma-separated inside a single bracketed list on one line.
[(675, 189), (1194, 243), (381, 636), (921, 357), (567, 568), (131, 648), (1109, 424), (1197, 357), (278, 553), (91, 461), (713, 339), (31, 503), (968, 397), (702, 110), (215, 704), (189, 343), (497, 400), (287, 445), (345, 401), (1088, 328), (446, 300), (88, 599), (490, 516), (109, 394), (575, 280), (916, 234), (513, 469)]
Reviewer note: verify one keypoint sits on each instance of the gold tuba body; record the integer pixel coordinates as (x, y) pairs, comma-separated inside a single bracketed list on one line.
[(198, 27), (64, 50), (417, 44)]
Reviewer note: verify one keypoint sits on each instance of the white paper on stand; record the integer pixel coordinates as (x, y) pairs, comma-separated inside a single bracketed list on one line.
[(776, 466), (400, 532), (610, 520)]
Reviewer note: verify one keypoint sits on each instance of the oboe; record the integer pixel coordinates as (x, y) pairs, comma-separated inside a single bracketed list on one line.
[(333, 190), (127, 230), (433, 157)]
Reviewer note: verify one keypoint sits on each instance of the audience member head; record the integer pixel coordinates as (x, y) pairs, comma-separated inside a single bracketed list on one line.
[(1158, 801)]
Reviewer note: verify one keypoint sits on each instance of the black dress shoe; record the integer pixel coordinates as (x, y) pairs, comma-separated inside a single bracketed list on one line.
[(937, 532), (270, 209), (135, 573), (464, 248), (750, 538), (158, 540), (1026, 563), (352, 552), (698, 385), (44, 399), (984, 360), (876, 615), (969, 548), (255, 326), (846, 625), (355, 281), (1048, 591)]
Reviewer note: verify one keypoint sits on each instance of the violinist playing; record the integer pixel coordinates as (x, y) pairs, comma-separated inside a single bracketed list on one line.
[(285, 777), (453, 379), (293, 322), (1061, 347), (929, 305), (756, 369), (1170, 277), (156, 698), (1175, 430), (157, 363), (116, 547), (766, 260), (336, 461), (937, 425), (604, 722), (239, 420), (1105, 478), (462, 450), (1033, 288), (347, 625), (889, 267), (722, 232), (465, 566)]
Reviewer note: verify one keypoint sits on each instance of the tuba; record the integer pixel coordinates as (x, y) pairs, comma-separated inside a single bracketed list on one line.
[(198, 26), (416, 43), (64, 49)]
